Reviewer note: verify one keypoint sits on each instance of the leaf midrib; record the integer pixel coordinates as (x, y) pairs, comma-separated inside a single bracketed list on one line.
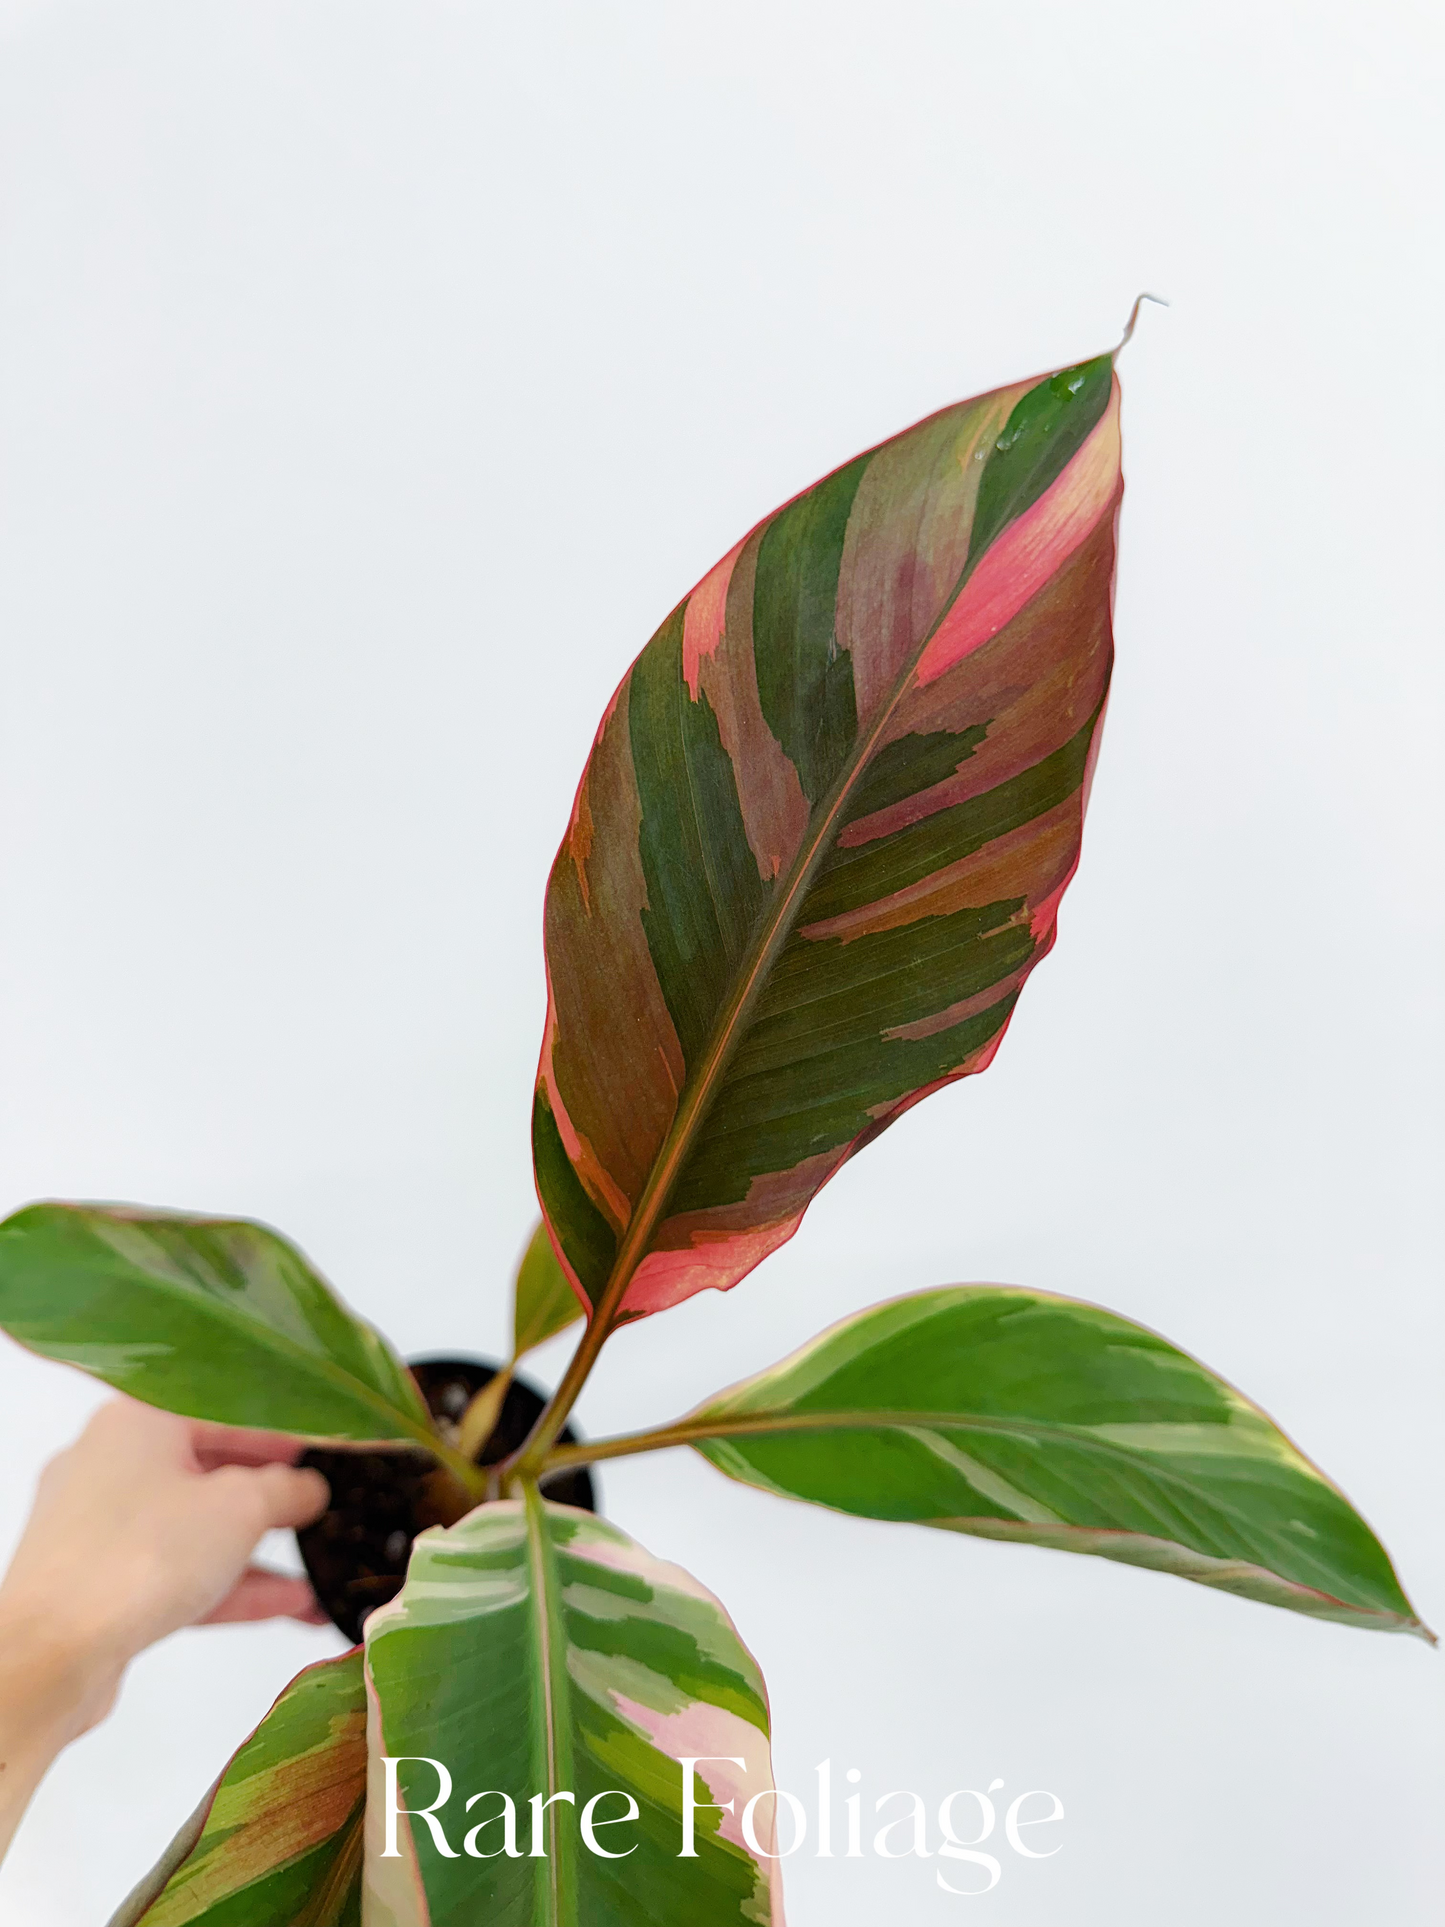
[(553, 1683), (329, 1898), (725, 1425), (699, 1431), (775, 926), (1138, 1457)]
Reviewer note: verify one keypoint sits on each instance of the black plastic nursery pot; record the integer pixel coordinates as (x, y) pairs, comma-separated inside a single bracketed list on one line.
[(356, 1552)]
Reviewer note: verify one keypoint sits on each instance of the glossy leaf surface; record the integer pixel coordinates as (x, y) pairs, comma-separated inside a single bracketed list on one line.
[(823, 833), (217, 1318), (278, 1842), (544, 1302), (1015, 1415), (534, 1649)]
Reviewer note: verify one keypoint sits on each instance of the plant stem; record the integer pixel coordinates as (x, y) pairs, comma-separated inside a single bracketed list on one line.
[(562, 1458), (526, 1461), (473, 1477), (688, 1431), (724, 1425)]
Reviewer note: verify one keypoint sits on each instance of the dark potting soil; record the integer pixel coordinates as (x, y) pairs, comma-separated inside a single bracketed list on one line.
[(356, 1552)]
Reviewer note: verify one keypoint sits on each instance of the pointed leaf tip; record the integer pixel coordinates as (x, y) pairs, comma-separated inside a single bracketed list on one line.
[(1139, 300)]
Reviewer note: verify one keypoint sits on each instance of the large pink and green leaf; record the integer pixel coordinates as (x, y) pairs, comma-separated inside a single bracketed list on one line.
[(536, 1651), (278, 1840), (822, 836)]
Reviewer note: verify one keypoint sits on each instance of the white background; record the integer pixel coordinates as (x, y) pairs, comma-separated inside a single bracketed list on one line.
[(373, 379)]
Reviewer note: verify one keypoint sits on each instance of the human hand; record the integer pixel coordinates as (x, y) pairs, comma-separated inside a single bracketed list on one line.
[(144, 1525)]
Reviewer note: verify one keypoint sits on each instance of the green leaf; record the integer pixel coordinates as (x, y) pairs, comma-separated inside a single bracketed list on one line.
[(535, 1649), (217, 1318), (544, 1302), (278, 1840), (822, 836), (1017, 1415)]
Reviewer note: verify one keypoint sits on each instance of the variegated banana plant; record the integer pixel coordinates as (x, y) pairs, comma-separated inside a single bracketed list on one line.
[(818, 847)]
